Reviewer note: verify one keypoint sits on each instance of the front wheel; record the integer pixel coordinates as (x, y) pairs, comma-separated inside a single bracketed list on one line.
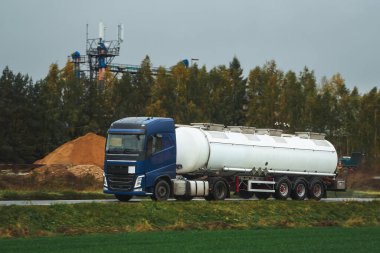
[(123, 198), (161, 191)]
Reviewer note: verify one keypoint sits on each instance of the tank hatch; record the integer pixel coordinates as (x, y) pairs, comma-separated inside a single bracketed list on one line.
[(267, 131), (209, 126), (241, 129), (311, 135)]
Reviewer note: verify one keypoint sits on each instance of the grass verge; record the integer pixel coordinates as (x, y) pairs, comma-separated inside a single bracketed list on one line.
[(308, 240), (22, 221), (354, 194), (52, 195)]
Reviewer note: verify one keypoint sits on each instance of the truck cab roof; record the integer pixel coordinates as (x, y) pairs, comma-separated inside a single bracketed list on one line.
[(149, 124)]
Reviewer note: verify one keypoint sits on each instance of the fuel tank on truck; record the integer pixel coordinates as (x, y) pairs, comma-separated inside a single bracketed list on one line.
[(192, 149), (199, 149)]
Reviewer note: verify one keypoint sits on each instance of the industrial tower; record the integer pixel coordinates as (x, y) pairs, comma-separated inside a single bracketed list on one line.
[(100, 54)]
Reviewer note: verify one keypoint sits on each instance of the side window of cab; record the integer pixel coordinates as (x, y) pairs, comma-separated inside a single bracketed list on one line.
[(154, 144)]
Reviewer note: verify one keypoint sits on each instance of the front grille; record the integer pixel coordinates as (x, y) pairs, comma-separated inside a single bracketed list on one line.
[(117, 169), (120, 182), (118, 178)]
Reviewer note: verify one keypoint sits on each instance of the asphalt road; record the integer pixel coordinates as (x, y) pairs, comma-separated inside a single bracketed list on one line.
[(53, 202)]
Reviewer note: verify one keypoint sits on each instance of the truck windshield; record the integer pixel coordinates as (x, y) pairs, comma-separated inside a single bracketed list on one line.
[(125, 143)]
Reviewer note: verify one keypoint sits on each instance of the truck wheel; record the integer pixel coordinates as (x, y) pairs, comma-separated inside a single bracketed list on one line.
[(161, 191), (123, 198), (262, 195), (299, 190), (219, 191), (244, 194), (316, 189), (283, 187)]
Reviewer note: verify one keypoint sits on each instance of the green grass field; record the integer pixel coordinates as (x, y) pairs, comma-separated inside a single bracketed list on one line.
[(260, 240), (25, 221)]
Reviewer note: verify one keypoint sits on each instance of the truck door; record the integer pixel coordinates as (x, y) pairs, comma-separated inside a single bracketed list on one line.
[(160, 157)]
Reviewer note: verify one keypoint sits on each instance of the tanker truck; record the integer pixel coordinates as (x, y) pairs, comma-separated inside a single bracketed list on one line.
[(148, 156)]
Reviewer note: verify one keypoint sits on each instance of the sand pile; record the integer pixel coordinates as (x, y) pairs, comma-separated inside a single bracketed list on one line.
[(88, 149), (83, 170), (61, 170)]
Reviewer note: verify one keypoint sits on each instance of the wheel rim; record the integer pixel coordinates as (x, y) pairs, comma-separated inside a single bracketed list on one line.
[(317, 190), (284, 189), (300, 190), (162, 191)]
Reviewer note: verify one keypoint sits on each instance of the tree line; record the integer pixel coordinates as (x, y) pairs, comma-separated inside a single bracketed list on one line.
[(36, 117)]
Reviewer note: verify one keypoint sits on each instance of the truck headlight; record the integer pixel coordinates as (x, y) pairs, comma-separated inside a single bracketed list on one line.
[(105, 181), (138, 181)]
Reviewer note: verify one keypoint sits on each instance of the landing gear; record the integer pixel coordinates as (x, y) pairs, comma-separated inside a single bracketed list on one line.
[(262, 195), (244, 194)]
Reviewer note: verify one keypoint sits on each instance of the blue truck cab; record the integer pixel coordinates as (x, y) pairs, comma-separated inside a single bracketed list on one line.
[(140, 158)]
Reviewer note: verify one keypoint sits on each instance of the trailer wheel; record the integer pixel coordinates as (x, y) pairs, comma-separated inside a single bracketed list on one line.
[(262, 195), (244, 194), (299, 190), (123, 198), (316, 190), (161, 191), (220, 190), (283, 187)]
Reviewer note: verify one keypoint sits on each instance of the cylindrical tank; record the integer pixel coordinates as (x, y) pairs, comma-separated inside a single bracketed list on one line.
[(198, 149), (192, 149)]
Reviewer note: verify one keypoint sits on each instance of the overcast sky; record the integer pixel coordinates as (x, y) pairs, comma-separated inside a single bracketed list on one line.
[(327, 36)]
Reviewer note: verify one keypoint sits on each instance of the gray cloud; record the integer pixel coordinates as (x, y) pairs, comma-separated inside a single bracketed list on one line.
[(327, 36)]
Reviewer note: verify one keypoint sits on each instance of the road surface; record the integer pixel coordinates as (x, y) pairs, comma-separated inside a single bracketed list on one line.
[(53, 202)]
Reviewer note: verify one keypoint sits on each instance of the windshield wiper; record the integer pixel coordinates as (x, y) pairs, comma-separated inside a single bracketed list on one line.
[(114, 151)]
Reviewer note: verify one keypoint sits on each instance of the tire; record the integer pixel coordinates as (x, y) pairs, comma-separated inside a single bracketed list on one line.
[(219, 190), (244, 194), (123, 198), (183, 198), (316, 189), (161, 191), (300, 189), (262, 195), (283, 189)]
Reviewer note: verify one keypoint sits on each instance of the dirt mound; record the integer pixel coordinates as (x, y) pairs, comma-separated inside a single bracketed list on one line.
[(88, 149), (83, 170)]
